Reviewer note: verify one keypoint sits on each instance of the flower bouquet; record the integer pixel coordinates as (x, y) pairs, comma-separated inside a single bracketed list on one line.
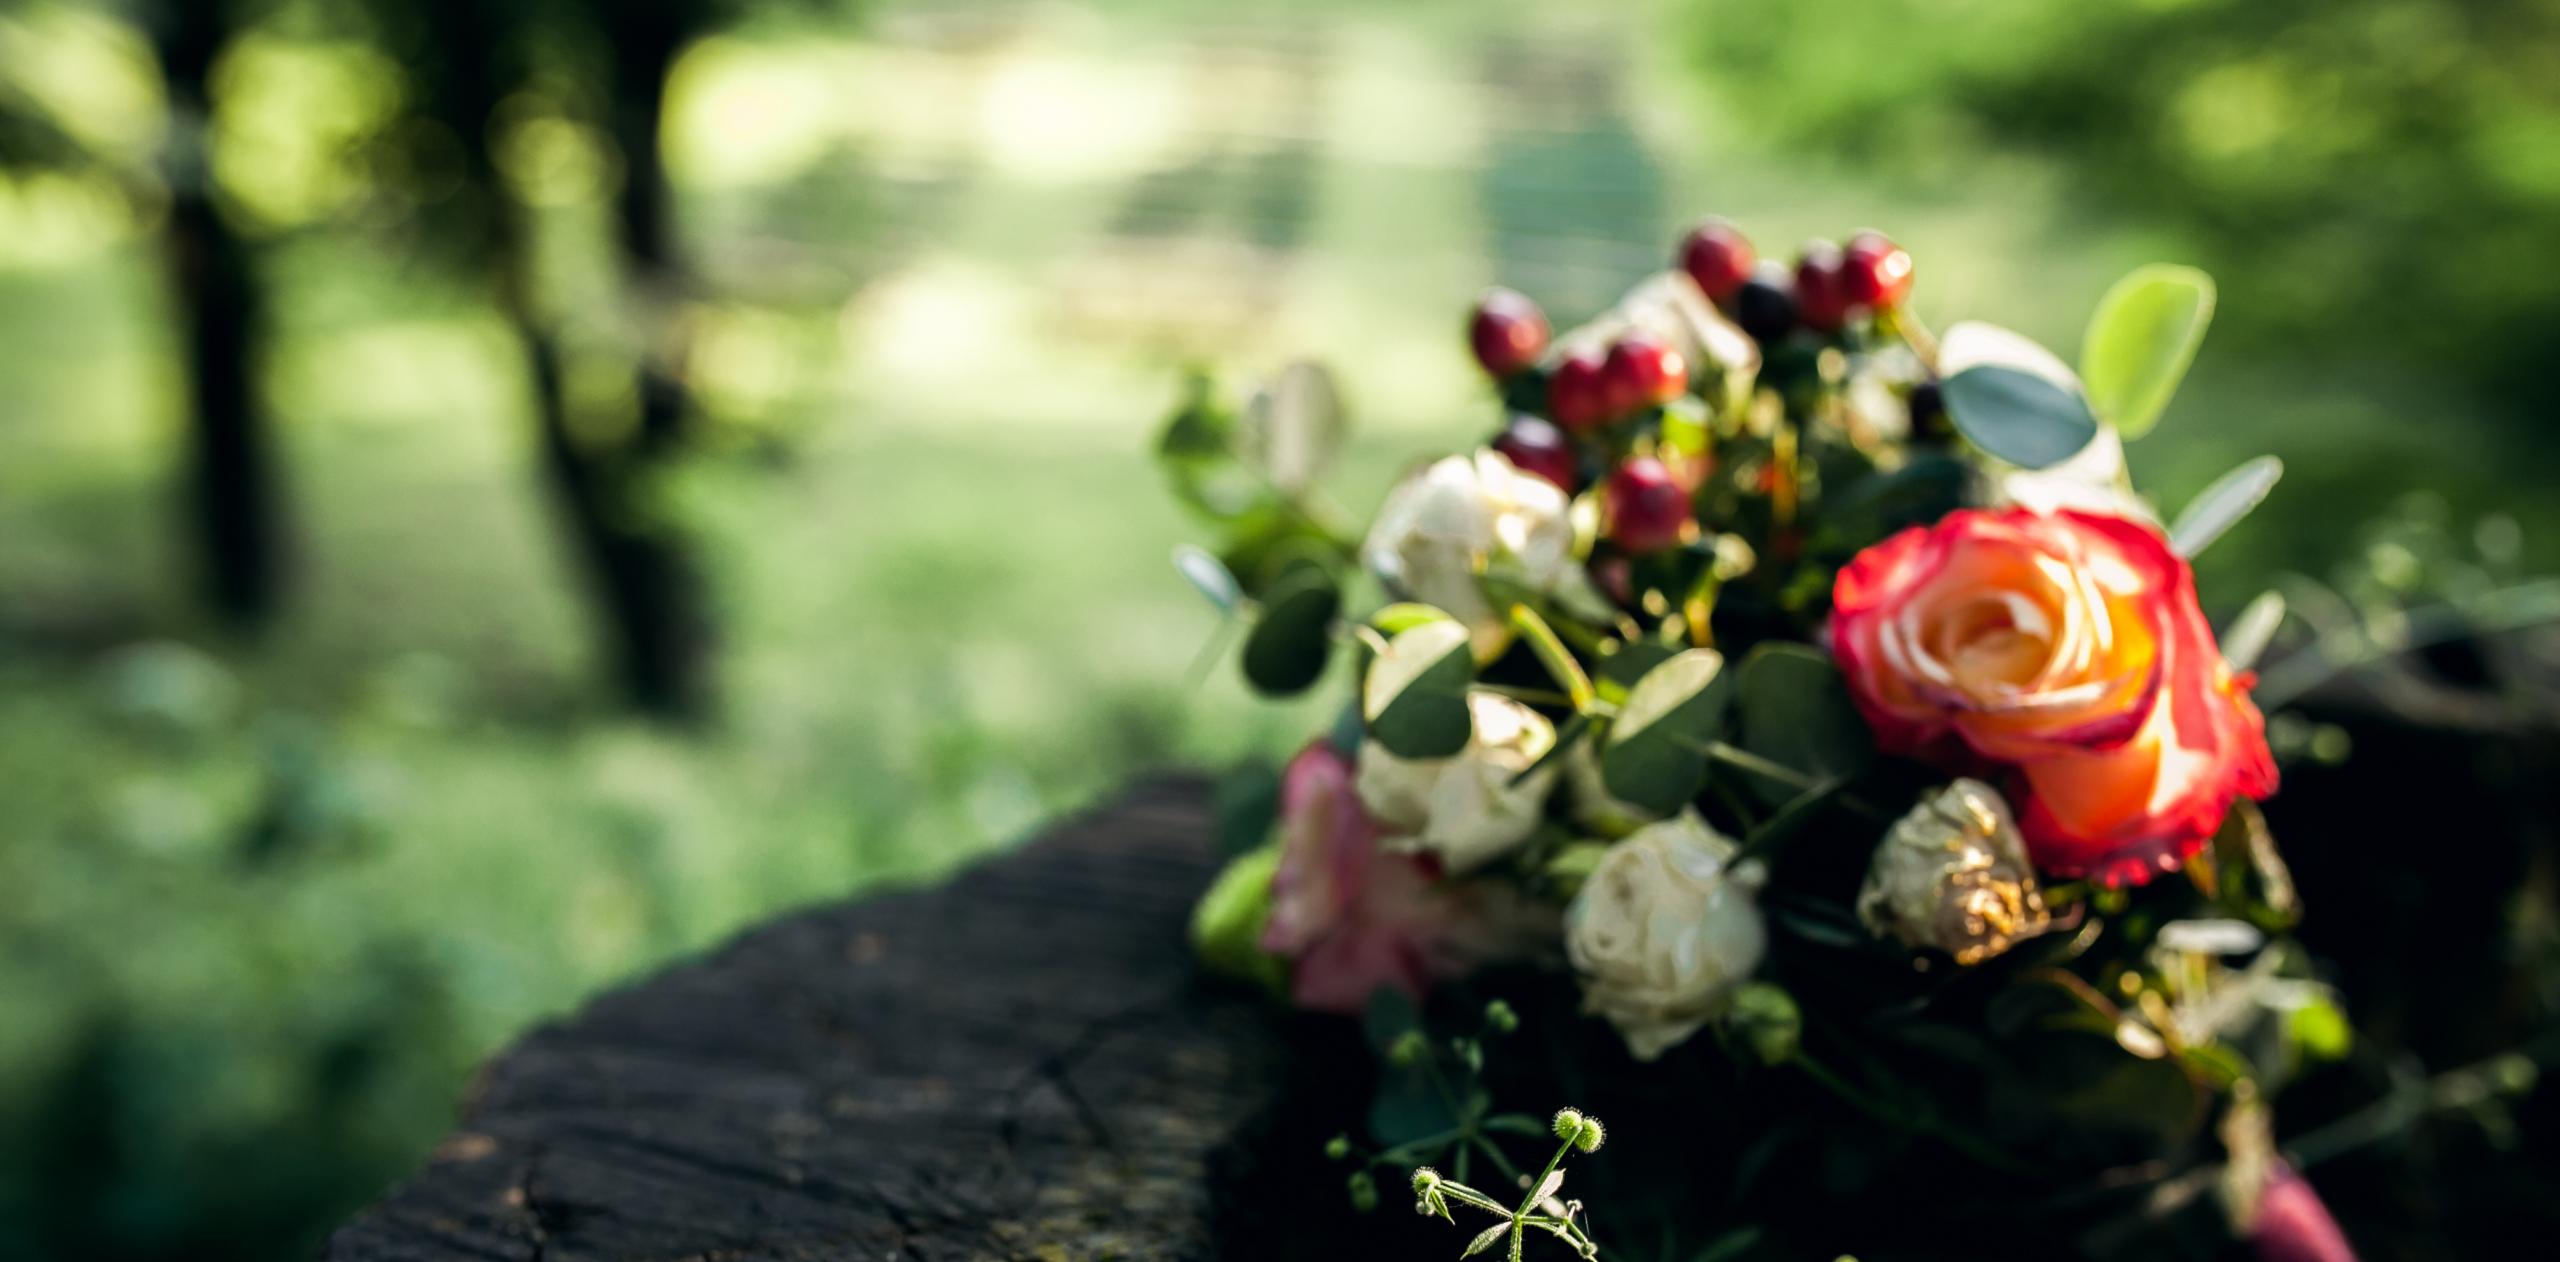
[(1809, 698)]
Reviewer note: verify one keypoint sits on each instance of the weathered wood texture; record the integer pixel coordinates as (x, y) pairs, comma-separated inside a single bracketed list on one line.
[(1021, 1063)]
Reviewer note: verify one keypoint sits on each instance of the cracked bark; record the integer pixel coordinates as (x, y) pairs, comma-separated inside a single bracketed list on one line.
[(1020, 1063)]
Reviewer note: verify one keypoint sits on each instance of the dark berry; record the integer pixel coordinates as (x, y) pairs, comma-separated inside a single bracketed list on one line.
[(1508, 332), (1765, 306), (1822, 295), (1578, 392), (1717, 256), (1647, 508), (1929, 411), (1537, 448), (1874, 272), (1643, 371)]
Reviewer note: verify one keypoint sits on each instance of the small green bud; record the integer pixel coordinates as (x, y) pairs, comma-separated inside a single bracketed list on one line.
[(1338, 1147), (1364, 1191), (1568, 1123), (1499, 1017), (1765, 1019), (1592, 1133), (1408, 1049), (1427, 1197)]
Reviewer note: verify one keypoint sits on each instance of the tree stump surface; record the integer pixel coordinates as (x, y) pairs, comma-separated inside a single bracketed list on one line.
[(1021, 1063)]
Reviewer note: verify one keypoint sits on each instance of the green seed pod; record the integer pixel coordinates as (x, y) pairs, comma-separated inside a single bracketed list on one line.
[(1568, 1123)]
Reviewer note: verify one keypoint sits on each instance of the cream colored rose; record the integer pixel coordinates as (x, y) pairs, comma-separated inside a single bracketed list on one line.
[(1465, 808), (1664, 930), (1953, 876), (1444, 528)]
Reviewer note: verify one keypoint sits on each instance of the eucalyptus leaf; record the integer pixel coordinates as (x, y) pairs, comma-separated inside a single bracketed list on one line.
[(2018, 416), (1632, 660), (2140, 341), (1293, 638), (2248, 635), (1293, 427), (1415, 694), (1656, 758), (2219, 506), (1403, 616), (1208, 574), (1795, 711)]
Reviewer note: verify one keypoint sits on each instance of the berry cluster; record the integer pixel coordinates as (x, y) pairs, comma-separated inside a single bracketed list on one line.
[(1590, 409)]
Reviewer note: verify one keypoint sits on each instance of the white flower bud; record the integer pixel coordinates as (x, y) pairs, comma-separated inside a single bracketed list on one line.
[(1952, 875), (1442, 529), (1465, 808), (1664, 930)]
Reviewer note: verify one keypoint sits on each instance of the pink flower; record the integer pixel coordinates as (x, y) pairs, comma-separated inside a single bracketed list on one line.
[(1353, 916), (2294, 1226)]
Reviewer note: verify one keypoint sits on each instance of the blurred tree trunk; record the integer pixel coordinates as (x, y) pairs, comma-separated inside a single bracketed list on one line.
[(234, 519), (647, 584)]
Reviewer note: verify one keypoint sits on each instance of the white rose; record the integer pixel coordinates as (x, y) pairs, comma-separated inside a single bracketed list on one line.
[(1664, 930), (1465, 808), (1953, 876), (1442, 529)]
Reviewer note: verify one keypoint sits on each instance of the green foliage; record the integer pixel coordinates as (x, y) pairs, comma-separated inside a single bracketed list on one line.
[(1292, 637), (2141, 339), (2221, 505), (1796, 714), (1656, 757), (2019, 416), (1415, 696), (1226, 927), (2372, 176)]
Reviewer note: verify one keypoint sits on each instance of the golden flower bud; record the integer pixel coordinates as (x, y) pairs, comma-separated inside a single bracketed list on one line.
[(1953, 875)]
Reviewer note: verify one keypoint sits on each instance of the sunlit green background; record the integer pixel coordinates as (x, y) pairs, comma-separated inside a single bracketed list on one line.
[(265, 901)]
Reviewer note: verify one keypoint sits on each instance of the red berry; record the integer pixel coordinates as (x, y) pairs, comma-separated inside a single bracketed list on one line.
[(1717, 256), (1508, 332), (1537, 448), (1643, 371), (1578, 393), (1647, 509), (1822, 296), (1875, 272)]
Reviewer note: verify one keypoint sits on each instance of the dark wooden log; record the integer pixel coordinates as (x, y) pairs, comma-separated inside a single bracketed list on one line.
[(1021, 1063)]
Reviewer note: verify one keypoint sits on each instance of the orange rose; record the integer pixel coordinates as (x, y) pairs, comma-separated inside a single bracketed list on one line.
[(2068, 649)]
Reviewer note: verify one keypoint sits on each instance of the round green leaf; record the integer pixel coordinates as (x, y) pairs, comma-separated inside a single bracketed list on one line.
[(1656, 758), (2028, 420), (1796, 712), (1294, 636), (2140, 340), (1415, 694)]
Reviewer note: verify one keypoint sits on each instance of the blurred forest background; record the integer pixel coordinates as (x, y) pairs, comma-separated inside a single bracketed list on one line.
[(496, 494)]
